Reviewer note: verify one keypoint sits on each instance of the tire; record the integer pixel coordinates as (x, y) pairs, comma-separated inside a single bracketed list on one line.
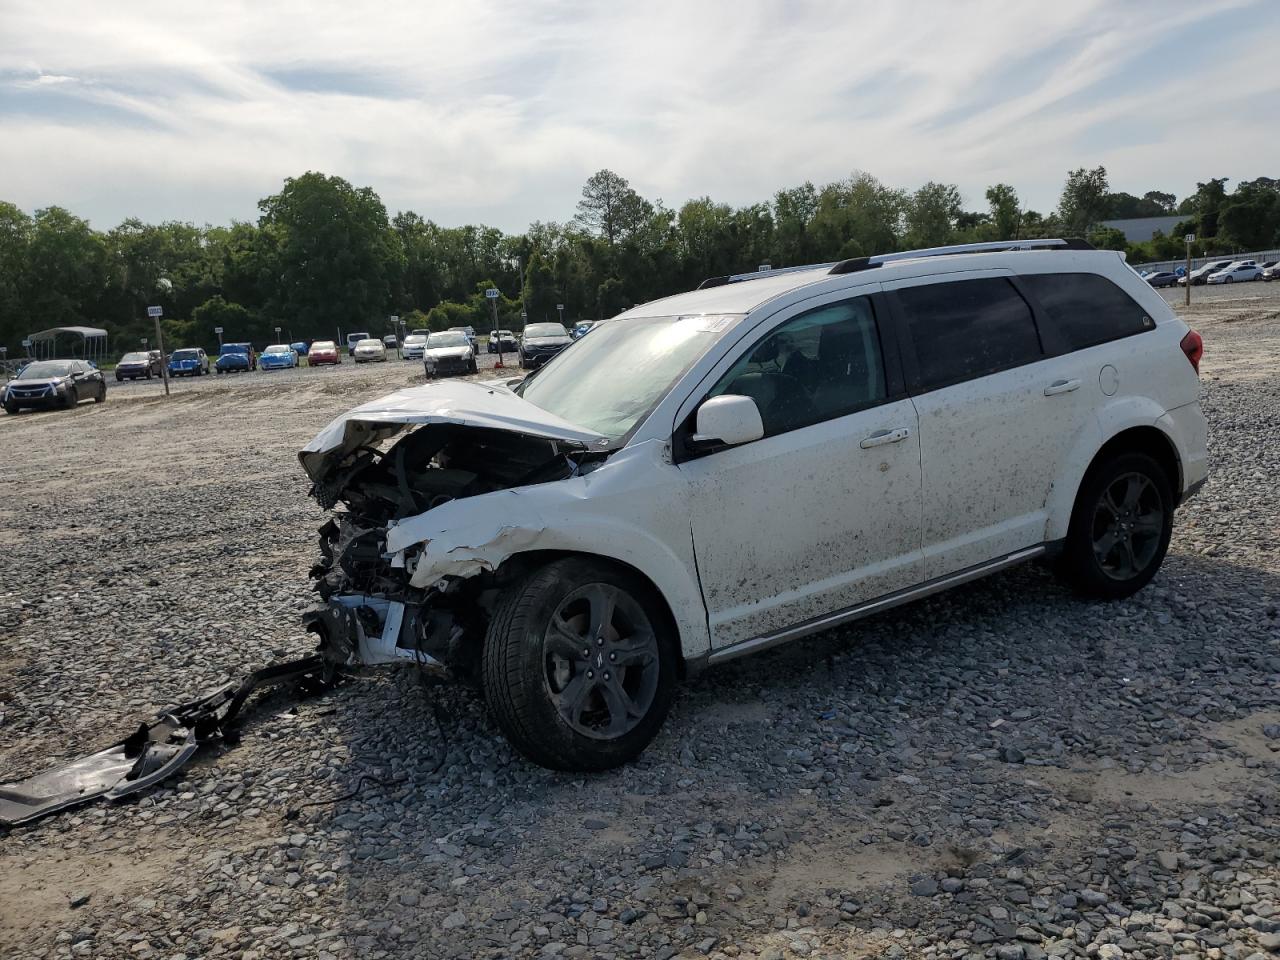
[(1226, 280), (102, 395), (1127, 498), (552, 703), (72, 399), (475, 367), (11, 408), (148, 373), (120, 379)]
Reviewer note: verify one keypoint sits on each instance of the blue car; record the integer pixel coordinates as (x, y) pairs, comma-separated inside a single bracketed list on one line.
[(278, 356), (300, 348), (234, 357), (190, 362)]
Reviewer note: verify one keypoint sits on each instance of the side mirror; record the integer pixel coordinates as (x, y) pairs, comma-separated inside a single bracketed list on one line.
[(729, 419)]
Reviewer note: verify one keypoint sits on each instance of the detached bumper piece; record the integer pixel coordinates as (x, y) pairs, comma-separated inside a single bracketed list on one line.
[(154, 752)]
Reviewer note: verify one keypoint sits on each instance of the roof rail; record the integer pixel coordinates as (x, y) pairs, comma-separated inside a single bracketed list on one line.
[(854, 264)]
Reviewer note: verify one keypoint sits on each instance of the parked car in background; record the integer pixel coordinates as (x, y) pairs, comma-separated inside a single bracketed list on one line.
[(540, 342), (507, 339), (413, 345), (54, 383), (470, 334), (353, 339), (142, 363), (188, 362), (1161, 278), (236, 358), (449, 351), (1272, 272), (1200, 275), (391, 341), (369, 350), (323, 351), (584, 540), (300, 348), (278, 356), (1237, 273)]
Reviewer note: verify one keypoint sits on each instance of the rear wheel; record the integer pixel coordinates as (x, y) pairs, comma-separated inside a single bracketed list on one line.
[(1120, 527), (579, 665)]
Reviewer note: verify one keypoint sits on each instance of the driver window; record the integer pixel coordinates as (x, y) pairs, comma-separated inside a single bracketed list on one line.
[(818, 366)]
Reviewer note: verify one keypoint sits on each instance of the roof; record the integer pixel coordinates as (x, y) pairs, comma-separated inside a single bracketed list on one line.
[(79, 331), (1142, 229), (742, 293)]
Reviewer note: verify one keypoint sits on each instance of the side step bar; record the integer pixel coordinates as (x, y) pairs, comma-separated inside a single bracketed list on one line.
[(887, 602)]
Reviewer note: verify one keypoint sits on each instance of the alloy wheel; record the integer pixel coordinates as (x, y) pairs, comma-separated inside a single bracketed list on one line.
[(1127, 525), (601, 661)]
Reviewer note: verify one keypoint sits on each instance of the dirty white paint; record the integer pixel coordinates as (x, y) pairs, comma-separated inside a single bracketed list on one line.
[(800, 525)]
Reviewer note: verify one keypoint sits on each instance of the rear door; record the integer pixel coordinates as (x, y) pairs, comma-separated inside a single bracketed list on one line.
[(998, 414), (823, 512)]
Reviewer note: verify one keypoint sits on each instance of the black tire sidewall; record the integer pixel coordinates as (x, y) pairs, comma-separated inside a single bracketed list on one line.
[(513, 670), (1079, 565)]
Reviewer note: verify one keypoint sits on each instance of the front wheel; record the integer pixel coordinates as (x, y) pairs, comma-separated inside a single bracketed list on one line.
[(102, 395), (1120, 527), (72, 398), (579, 665), (11, 408), (474, 367)]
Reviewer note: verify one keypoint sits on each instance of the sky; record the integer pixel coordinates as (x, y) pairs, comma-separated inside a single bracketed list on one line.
[(497, 112)]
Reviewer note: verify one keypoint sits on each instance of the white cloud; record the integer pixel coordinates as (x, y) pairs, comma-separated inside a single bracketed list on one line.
[(497, 111)]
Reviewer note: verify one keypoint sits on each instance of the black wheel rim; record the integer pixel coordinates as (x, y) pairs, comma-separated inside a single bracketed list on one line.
[(1128, 523), (600, 661)]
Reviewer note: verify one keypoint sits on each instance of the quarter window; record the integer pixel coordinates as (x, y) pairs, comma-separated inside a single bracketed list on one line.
[(818, 366), (968, 328), (1086, 309)]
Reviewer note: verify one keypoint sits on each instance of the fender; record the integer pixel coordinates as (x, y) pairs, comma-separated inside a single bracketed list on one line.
[(636, 515), (1111, 419)]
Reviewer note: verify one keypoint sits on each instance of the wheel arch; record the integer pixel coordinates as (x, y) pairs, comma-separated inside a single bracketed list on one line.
[(521, 564), (1137, 438)]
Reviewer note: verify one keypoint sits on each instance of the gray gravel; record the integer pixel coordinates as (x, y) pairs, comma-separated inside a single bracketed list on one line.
[(1001, 771)]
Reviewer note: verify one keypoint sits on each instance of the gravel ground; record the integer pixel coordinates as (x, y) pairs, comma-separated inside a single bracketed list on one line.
[(1001, 771)]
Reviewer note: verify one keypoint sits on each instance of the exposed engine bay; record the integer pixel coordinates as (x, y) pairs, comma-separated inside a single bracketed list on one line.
[(372, 611)]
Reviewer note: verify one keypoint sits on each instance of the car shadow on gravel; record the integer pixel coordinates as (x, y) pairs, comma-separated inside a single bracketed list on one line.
[(919, 738)]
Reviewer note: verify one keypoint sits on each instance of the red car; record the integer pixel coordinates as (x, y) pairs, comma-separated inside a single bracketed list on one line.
[(323, 351)]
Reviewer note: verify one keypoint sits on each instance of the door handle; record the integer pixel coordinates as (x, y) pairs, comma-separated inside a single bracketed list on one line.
[(881, 437), (1061, 386)]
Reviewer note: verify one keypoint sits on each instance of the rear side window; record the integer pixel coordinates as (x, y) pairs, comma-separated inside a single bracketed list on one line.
[(1086, 309), (965, 329)]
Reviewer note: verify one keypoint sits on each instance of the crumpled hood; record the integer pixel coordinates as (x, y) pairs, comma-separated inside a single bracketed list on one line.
[(464, 402)]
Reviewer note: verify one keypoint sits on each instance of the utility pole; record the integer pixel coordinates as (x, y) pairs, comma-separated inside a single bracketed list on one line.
[(1190, 238), (156, 313)]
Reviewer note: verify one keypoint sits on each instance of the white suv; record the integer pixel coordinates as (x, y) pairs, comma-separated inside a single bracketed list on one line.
[(768, 456)]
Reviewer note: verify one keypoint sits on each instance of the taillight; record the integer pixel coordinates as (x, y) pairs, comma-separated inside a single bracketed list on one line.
[(1193, 346)]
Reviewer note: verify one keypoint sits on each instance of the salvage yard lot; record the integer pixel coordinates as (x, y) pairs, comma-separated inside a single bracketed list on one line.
[(1000, 768)]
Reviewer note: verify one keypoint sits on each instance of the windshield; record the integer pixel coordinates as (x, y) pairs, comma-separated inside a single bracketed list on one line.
[(277, 348), (234, 348), (134, 358), (610, 380), (535, 330), (185, 355), (414, 338), (448, 338), (323, 345), (46, 369)]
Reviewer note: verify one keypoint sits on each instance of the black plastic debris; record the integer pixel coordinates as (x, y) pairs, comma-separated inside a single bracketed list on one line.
[(152, 753)]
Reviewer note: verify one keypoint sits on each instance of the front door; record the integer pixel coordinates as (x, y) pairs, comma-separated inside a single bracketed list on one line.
[(823, 512)]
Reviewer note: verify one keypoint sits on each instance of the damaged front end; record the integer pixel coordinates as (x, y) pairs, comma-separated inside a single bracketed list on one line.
[(384, 466)]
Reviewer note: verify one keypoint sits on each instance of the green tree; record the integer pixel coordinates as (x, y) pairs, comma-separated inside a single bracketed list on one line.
[(1084, 200), (237, 323), (15, 236), (1006, 215), (335, 254), (610, 208), (931, 215), (541, 295), (67, 271)]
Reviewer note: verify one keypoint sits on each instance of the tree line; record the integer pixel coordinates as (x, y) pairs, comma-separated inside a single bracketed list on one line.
[(325, 256)]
